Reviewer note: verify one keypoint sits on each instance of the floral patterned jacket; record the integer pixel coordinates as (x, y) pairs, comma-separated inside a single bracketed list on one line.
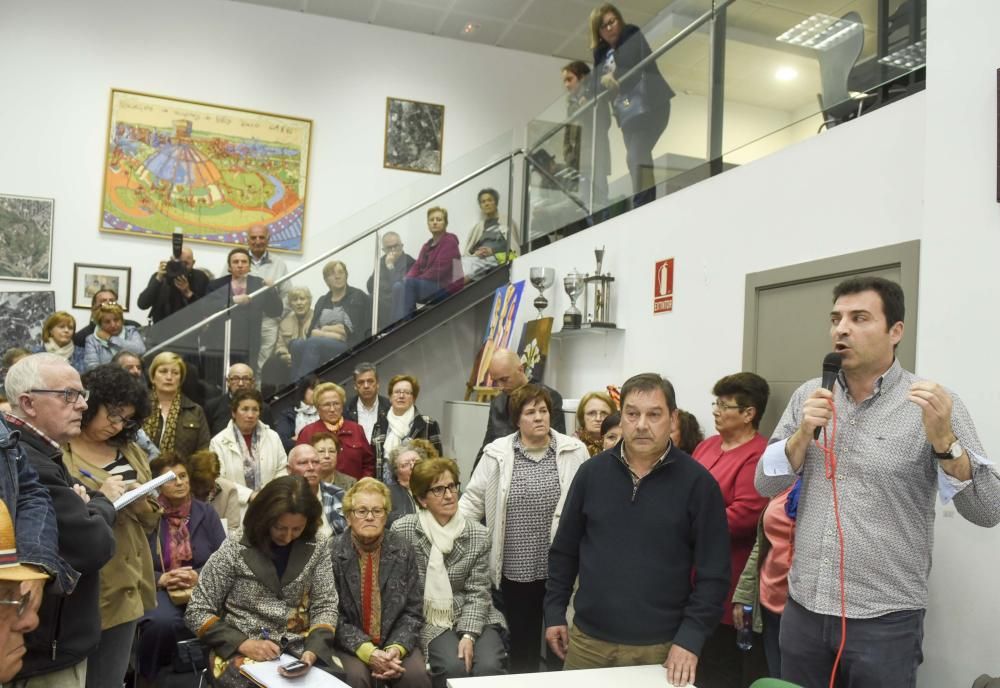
[(240, 597)]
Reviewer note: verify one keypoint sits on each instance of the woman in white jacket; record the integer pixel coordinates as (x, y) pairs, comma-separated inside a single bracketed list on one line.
[(251, 454), (520, 486)]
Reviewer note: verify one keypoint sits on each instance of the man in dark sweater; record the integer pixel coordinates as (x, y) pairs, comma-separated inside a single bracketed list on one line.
[(644, 527), (47, 404)]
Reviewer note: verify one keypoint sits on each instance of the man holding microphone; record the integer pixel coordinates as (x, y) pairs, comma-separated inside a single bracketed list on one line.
[(900, 441)]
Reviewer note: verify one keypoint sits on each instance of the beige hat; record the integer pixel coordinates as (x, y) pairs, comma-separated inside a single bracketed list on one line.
[(10, 569)]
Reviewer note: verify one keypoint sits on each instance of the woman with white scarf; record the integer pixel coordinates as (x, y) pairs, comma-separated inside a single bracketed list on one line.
[(461, 636), (251, 454), (403, 421), (57, 338)]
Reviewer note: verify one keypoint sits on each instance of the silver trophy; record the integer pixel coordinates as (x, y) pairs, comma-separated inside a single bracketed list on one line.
[(598, 288), (542, 279), (573, 284)]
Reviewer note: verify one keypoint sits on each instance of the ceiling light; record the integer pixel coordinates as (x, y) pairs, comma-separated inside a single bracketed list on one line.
[(470, 28), (910, 57), (786, 73), (820, 32)]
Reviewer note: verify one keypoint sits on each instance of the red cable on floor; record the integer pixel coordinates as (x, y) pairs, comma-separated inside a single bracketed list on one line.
[(830, 468)]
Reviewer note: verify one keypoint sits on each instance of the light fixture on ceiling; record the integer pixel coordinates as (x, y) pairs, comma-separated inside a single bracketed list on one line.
[(820, 32), (910, 57), (786, 73), (470, 28)]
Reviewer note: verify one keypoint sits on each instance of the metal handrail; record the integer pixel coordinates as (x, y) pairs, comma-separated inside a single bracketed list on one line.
[(653, 56), (347, 244)]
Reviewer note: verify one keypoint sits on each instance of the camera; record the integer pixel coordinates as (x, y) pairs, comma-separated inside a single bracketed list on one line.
[(176, 268)]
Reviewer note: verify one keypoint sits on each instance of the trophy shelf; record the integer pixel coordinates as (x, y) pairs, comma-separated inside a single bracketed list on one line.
[(586, 331)]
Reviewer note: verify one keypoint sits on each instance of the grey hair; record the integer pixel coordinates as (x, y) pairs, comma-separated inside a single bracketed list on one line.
[(365, 367), (299, 291), (403, 447), (27, 374)]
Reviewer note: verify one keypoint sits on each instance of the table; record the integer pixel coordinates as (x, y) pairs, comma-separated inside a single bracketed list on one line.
[(646, 676)]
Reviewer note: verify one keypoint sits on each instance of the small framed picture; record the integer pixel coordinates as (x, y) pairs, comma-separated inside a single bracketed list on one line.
[(414, 135), (90, 279)]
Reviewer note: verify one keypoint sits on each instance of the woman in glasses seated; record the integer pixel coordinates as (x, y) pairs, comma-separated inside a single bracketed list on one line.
[(403, 421), (461, 633), (402, 459), (104, 457), (111, 336), (268, 590), (381, 601)]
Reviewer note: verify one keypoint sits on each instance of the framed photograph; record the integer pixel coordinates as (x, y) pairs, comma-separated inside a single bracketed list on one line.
[(22, 314), (414, 135), (26, 238), (213, 171), (90, 279)]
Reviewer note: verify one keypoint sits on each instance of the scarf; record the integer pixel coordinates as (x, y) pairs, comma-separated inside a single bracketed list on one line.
[(369, 557), (594, 444), (439, 607), (178, 551), (64, 351), (163, 434), (251, 456), (336, 426), (399, 429)]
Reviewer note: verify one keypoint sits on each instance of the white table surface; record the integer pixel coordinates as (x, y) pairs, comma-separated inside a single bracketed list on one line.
[(647, 676)]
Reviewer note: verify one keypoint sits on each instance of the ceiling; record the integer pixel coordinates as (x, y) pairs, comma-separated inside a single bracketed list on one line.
[(560, 28)]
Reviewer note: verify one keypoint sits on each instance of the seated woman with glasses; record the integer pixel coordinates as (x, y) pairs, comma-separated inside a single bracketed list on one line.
[(593, 408), (110, 336), (461, 633), (381, 602), (327, 447), (104, 456), (270, 589), (402, 459), (251, 454), (403, 421), (355, 457)]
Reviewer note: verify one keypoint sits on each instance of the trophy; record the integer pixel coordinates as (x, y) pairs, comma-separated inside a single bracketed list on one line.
[(598, 295), (542, 279), (573, 284)]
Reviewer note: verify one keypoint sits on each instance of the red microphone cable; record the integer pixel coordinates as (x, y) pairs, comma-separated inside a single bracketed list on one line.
[(830, 470)]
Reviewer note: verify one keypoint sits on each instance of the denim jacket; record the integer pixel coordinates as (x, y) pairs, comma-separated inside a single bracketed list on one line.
[(31, 511)]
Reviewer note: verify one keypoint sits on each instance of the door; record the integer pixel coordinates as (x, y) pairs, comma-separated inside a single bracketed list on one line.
[(786, 326)]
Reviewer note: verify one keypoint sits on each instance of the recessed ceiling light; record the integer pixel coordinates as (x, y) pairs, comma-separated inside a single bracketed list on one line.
[(786, 73), (470, 28)]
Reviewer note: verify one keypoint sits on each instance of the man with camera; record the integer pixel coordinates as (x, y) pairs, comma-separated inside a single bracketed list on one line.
[(174, 285)]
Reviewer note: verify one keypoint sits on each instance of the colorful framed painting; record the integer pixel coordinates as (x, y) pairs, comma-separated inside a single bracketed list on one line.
[(213, 171), (414, 136), (503, 313), (90, 279), (26, 238)]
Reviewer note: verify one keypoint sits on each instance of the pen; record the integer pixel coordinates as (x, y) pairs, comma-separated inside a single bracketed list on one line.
[(88, 474), (265, 634)]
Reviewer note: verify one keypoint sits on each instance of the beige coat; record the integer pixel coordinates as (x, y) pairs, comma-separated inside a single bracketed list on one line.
[(127, 587), (272, 458)]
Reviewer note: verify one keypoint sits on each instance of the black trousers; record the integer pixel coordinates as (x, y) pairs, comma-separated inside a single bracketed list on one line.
[(523, 606)]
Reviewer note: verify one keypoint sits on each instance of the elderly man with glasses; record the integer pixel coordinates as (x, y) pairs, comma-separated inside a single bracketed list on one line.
[(219, 409), (47, 403), (392, 266)]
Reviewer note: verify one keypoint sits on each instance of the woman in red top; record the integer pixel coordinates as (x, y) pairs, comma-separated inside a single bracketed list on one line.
[(436, 272), (731, 457), (356, 457)]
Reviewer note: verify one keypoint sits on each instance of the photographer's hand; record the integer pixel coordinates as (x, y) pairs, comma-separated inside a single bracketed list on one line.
[(161, 271), (183, 286)]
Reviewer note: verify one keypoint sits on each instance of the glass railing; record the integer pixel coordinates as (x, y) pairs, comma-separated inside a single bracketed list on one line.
[(745, 80)]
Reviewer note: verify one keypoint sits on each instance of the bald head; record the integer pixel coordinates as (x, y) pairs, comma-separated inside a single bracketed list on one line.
[(257, 240), (240, 377), (507, 370), (187, 257), (303, 460)]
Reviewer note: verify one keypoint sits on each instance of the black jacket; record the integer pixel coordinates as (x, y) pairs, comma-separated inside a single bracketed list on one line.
[(163, 299), (499, 424), (669, 542), (386, 279), (69, 627), (422, 427), (358, 307), (246, 320), (632, 49), (351, 409)]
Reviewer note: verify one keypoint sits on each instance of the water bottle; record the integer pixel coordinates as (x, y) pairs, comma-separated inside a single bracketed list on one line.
[(744, 634)]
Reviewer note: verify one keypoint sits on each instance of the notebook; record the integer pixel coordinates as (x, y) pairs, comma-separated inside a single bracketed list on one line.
[(266, 674)]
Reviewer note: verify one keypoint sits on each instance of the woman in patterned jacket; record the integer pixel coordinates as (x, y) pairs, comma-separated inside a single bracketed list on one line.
[(461, 634), (269, 589)]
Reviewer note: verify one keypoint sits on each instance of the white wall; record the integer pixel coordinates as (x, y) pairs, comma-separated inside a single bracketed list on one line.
[(62, 57)]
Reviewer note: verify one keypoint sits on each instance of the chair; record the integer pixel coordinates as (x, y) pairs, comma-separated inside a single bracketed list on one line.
[(835, 63)]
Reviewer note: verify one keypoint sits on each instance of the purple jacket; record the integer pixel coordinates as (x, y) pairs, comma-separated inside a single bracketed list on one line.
[(207, 535), (439, 264)]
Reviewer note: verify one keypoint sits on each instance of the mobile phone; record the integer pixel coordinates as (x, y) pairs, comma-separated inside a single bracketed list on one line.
[(294, 667)]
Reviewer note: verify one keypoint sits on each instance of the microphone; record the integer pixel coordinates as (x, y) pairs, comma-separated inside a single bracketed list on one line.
[(831, 368)]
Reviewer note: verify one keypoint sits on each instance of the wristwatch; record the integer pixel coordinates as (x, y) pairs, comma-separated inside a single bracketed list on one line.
[(469, 636), (954, 451)]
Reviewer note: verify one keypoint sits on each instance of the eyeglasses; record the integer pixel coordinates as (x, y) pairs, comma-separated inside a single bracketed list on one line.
[(391, 248), (402, 393), (609, 24), (119, 419), (69, 395), (363, 512), (240, 378), (441, 489), (331, 405), (596, 414), (719, 406), (21, 603)]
